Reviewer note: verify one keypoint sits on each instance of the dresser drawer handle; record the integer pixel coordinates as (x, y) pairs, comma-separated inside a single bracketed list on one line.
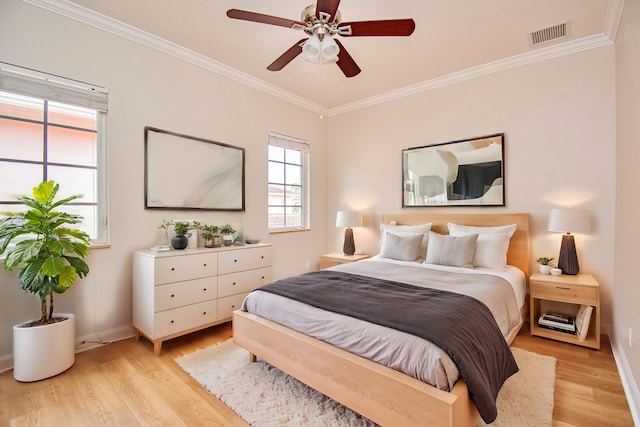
[(233, 306), (204, 313), (233, 284), (172, 321), (263, 277), (173, 269), (204, 290), (563, 288), (205, 265), (262, 257), (235, 260), (172, 295)]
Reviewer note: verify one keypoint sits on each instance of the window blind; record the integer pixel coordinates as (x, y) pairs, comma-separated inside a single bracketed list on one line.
[(28, 82), (289, 142)]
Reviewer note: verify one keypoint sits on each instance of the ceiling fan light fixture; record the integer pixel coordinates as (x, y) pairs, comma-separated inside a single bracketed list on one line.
[(330, 50), (312, 49)]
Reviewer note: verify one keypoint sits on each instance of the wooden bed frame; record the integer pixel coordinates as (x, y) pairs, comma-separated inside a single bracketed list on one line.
[(385, 396)]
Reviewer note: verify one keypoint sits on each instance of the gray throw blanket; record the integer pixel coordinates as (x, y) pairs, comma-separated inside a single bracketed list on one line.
[(460, 325)]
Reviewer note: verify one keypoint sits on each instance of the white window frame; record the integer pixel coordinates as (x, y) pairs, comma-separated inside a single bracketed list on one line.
[(36, 84), (288, 142)]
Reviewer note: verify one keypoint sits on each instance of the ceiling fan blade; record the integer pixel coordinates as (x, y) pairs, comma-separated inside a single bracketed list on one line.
[(287, 57), (329, 7), (264, 19), (346, 62), (389, 27)]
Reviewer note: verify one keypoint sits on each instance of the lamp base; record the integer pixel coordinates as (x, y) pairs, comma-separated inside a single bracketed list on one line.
[(568, 259), (349, 247)]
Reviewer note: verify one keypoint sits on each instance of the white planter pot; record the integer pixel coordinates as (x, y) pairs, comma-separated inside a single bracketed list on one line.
[(545, 269), (41, 352)]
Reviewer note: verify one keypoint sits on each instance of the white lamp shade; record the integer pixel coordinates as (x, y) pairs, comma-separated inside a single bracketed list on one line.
[(348, 219), (312, 49), (565, 220), (330, 50)]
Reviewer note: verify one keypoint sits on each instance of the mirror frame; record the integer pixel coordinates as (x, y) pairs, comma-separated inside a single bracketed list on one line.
[(187, 173), (466, 172)]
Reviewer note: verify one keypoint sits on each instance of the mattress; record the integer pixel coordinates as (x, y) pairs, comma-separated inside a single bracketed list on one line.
[(401, 351)]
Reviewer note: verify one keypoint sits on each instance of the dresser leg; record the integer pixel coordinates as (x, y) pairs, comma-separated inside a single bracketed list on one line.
[(157, 347), (252, 358)]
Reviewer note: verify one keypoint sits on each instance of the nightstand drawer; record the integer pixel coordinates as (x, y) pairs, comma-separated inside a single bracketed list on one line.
[(565, 293)]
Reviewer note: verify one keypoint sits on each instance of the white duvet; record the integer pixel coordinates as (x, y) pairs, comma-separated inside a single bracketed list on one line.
[(404, 352)]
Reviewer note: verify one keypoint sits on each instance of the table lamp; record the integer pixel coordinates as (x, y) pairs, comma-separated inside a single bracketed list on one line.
[(565, 220), (348, 219)]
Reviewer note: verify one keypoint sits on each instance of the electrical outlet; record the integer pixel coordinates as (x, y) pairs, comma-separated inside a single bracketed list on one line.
[(630, 336)]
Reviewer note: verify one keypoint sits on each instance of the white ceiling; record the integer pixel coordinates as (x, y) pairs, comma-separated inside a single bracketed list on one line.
[(453, 40)]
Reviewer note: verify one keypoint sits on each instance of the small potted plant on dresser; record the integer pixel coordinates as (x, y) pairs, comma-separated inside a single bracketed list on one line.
[(50, 254), (211, 236), (226, 232), (182, 231), (545, 264)]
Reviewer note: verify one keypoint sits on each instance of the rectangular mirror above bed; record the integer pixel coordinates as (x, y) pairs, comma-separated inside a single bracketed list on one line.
[(468, 172)]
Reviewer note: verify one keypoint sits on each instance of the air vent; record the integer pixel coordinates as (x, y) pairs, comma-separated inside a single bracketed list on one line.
[(546, 35)]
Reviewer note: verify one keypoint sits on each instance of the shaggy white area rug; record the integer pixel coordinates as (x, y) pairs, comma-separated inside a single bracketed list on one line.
[(266, 397)]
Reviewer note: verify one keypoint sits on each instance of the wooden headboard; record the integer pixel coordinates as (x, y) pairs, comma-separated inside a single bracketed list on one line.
[(518, 254)]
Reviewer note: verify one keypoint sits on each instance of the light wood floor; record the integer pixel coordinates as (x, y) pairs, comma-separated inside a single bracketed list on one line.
[(123, 384)]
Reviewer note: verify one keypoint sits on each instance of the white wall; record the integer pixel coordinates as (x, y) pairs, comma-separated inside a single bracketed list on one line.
[(627, 232), (558, 117), (147, 87)]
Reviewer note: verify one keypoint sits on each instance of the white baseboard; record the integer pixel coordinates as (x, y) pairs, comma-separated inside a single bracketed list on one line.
[(83, 343), (628, 382)]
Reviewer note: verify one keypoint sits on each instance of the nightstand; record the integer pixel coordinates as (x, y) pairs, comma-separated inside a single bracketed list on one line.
[(567, 292), (330, 260)]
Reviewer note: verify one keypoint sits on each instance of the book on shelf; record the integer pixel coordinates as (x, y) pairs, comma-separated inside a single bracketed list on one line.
[(553, 328), (583, 319), (557, 322)]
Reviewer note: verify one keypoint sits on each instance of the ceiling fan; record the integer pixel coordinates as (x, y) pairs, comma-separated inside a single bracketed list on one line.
[(321, 22)]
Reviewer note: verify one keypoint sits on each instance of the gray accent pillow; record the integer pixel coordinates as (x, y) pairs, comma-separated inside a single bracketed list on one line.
[(454, 251), (402, 248)]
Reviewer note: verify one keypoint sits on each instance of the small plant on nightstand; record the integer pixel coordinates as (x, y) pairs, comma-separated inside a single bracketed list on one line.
[(545, 264)]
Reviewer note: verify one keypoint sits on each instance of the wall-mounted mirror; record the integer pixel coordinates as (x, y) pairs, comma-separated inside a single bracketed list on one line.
[(468, 172)]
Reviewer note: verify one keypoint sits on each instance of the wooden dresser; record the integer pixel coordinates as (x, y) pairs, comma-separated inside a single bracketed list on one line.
[(178, 292)]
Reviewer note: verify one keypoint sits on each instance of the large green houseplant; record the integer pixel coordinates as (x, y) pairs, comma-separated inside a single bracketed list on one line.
[(50, 256)]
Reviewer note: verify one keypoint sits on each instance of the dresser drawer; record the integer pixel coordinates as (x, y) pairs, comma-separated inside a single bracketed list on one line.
[(243, 281), (179, 268), (183, 318), (178, 294), (565, 293), (227, 305), (244, 259)]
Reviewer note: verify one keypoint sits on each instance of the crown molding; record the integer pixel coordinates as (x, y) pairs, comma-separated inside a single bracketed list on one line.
[(97, 20), (479, 71), (105, 23)]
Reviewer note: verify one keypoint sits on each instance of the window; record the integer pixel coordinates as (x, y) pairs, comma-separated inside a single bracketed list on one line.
[(288, 183), (52, 128)]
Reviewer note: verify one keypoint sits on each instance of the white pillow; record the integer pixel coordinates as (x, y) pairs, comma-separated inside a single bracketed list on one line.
[(407, 230), (403, 248), (492, 244), (455, 251)]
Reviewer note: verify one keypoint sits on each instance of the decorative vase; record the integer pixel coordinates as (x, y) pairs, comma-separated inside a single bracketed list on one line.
[(545, 269), (43, 351), (179, 242), (227, 239)]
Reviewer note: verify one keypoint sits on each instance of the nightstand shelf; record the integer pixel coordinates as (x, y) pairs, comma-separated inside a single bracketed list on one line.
[(569, 292), (331, 260)]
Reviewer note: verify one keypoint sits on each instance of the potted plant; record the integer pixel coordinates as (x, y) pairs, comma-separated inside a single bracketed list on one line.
[(545, 264), (227, 234), (50, 256), (209, 234), (182, 231)]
